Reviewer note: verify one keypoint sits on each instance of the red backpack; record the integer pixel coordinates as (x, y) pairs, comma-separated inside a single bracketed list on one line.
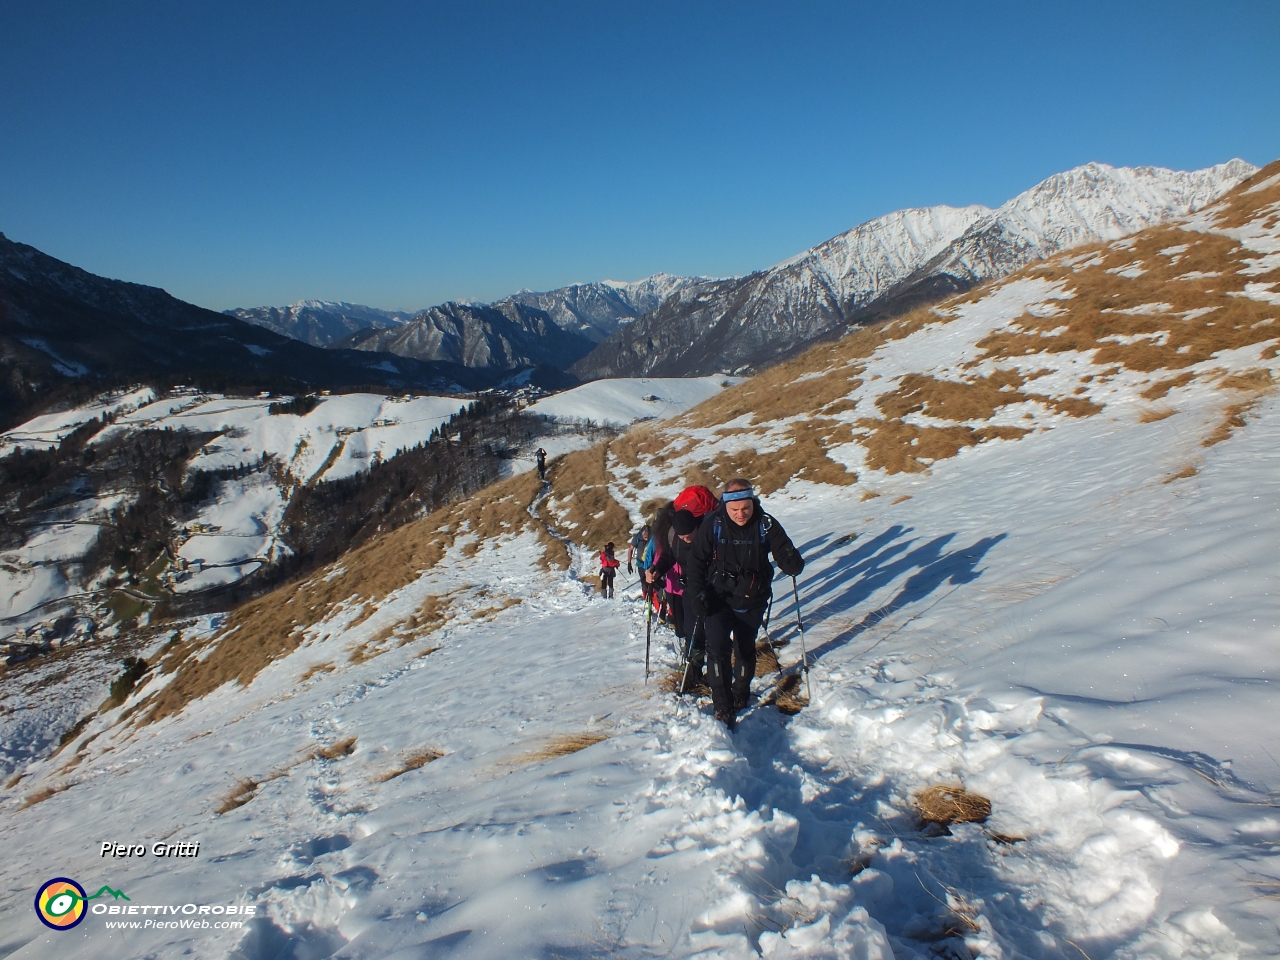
[(698, 500)]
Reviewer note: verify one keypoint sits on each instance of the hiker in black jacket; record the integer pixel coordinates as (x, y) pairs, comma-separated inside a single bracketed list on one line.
[(729, 581)]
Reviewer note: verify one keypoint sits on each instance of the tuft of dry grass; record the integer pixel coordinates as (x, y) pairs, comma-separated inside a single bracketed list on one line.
[(766, 660), (414, 760), (669, 682), (1155, 414), (1233, 418), (563, 746), (343, 748), (246, 789), (947, 804), (316, 669), (788, 695), (43, 794), (1183, 474)]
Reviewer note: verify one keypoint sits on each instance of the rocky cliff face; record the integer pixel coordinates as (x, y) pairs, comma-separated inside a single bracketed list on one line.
[(598, 310), (502, 337), (891, 264)]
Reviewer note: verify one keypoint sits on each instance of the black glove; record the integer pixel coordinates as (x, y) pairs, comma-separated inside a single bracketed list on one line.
[(629, 570)]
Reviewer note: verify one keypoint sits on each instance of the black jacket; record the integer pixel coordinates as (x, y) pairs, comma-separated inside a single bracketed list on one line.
[(729, 564)]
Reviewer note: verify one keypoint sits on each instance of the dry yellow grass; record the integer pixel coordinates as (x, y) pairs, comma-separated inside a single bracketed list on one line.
[(316, 669), (1233, 418), (1184, 473), (414, 760), (766, 660), (43, 794), (343, 748), (1155, 414), (246, 789), (788, 696), (947, 804), (562, 746), (580, 491)]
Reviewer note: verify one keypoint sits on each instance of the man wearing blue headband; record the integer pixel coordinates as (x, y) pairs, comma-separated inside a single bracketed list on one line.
[(729, 582)]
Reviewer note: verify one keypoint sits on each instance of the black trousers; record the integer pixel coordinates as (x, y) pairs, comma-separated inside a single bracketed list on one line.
[(606, 582), (675, 601), (688, 623), (731, 655)]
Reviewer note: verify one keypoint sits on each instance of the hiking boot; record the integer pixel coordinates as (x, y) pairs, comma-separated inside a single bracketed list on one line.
[(727, 718), (741, 702)]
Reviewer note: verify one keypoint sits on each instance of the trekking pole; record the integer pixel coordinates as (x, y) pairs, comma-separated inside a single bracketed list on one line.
[(648, 632), (804, 655), (688, 657), (767, 614)]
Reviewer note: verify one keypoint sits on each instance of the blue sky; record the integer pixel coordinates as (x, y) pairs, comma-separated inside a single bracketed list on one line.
[(403, 154)]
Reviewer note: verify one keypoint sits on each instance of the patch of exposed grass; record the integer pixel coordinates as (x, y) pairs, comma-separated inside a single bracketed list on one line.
[(562, 746), (587, 511), (335, 751), (43, 794), (766, 660), (414, 760), (316, 669), (246, 789), (1183, 474), (947, 804)]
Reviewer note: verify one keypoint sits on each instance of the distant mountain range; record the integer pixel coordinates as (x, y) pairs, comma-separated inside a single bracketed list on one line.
[(319, 322), (892, 263), (554, 328), (666, 325)]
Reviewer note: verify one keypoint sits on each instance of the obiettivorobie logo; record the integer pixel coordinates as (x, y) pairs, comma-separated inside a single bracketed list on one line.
[(61, 902)]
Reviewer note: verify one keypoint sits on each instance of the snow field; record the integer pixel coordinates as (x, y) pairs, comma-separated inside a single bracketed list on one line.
[(342, 436), (622, 401)]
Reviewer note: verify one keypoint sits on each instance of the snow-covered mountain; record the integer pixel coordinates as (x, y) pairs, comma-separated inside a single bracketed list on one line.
[(1039, 522), (320, 322), (597, 310), (892, 263)]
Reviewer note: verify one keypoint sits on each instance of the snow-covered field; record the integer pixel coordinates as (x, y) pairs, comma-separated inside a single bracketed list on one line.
[(625, 400), (239, 529)]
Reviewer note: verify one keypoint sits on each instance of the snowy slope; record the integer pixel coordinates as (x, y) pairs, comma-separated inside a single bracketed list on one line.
[(240, 527), (1039, 524), (625, 401)]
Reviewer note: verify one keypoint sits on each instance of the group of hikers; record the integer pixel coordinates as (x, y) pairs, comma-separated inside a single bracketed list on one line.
[(704, 564)]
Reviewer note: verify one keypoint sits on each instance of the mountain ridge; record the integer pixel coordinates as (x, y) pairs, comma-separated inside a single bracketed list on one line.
[(819, 293)]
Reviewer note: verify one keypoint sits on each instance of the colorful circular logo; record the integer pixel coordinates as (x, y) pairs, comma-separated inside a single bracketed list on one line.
[(60, 903)]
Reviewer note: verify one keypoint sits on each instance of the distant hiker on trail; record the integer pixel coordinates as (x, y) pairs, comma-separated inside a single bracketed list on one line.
[(730, 581), (608, 570), (542, 463)]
